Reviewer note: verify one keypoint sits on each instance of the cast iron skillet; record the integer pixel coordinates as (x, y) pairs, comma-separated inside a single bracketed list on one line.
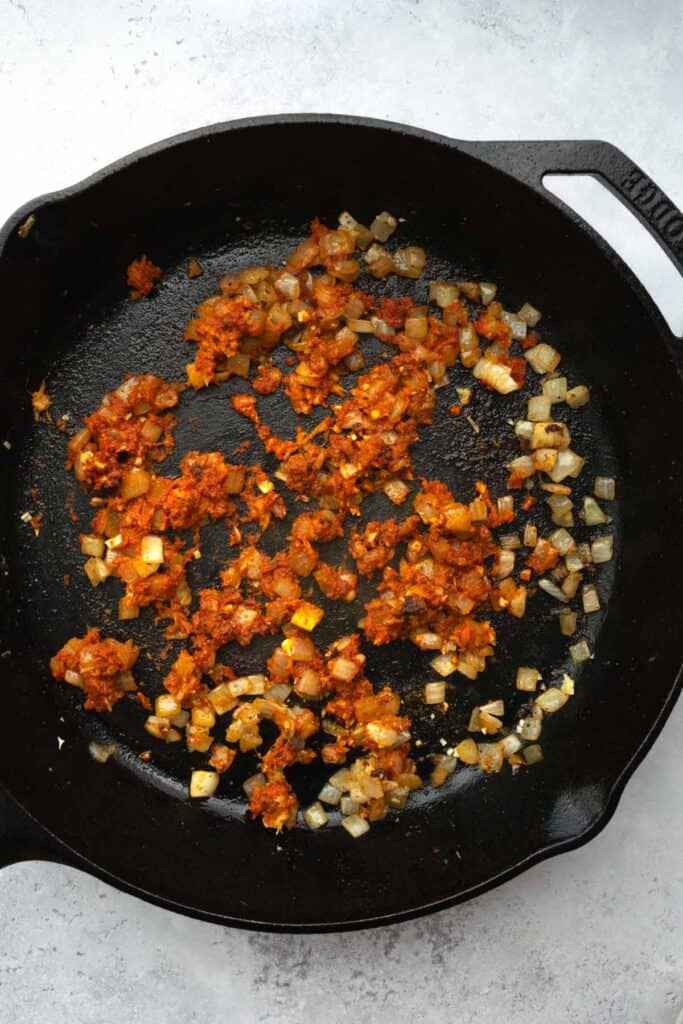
[(243, 193)]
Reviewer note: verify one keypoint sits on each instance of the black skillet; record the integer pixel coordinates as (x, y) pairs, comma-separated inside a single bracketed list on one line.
[(243, 193)]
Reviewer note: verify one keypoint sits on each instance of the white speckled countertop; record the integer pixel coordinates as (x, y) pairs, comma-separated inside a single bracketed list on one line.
[(593, 937)]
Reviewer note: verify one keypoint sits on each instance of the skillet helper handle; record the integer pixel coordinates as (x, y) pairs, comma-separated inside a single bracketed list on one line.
[(646, 201), (21, 838)]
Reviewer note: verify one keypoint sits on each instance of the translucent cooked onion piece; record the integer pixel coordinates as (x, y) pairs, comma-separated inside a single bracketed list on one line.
[(551, 700), (590, 599), (591, 513), (315, 816), (487, 291), (538, 409), (383, 226), (409, 262), (435, 693), (602, 549), (543, 358), (442, 293), (355, 825), (604, 487), (527, 679), (330, 795), (496, 375), (580, 652), (529, 314), (203, 784), (444, 664), (577, 397), (555, 389), (92, 545)]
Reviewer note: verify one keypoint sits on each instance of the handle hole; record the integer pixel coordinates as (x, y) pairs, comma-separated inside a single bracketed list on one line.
[(627, 236)]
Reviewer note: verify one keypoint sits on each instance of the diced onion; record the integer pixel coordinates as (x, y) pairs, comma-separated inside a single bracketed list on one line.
[(383, 226), (343, 669), (488, 292), (562, 540), (530, 535), (444, 664), (532, 754), (516, 324), (203, 784), (493, 707), (527, 679), (280, 692), (299, 648), (577, 397), (416, 327), (530, 728), (590, 599), (524, 430), (543, 358), (504, 565), (551, 700), (571, 584), (602, 549), (308, 684), (355, 825), (361, 326), (538, 409), (573, 562), (522, 466), (101, 752), (510, 744), (442, 293), (604, 487), (468, 752), (561, 507), (580, 652), (490, 757), (330, 795), (529, 314), (584, 553), (92, 545), (510, 541), (97, 571), (134, 483), (568, 463), (409, 262), (555, 389), (348, 806), (315, 816), (567, 620), (379, 262), (152, 550), (550, 435), (435, 693), (166, 706), (496, 375), (592, 514), (517, 606), (307, 616), (553, 590)]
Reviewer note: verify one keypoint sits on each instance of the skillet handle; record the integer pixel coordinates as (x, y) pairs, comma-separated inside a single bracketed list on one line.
[(646, 201), (22, 838)]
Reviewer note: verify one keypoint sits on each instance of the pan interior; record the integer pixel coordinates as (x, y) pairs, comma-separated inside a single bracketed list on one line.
[(245, 195), (113, 336)]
